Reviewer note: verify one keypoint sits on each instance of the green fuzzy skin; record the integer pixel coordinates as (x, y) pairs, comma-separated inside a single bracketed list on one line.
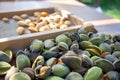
[(51, 61), (4, 57), (82, 31), (93, 52), (70, 52), (49, 43), (94, 58), (86, 53), (95, 48), (85, 44), (117, 46), (93, 73), (38, 61), (20, 76), (63, 38), (84, 37), (72, 61), (54, 78), (96, 41), (4, 67), (44, 74), (104, 64), (116, 37), (74, 76), (111, 75), (60, 70), (11, 71), (105, 36), (116, 53), (22, 61), (36, 45), (63, 46), (105, 47)]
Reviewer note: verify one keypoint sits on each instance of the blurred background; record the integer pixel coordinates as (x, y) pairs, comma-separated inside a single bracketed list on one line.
[(109, 7)]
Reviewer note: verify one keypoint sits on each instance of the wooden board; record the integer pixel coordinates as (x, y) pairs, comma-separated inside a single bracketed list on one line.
[(9, 29), (19, 42)]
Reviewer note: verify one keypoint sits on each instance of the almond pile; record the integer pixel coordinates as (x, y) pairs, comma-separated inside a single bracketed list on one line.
[(40, 21)]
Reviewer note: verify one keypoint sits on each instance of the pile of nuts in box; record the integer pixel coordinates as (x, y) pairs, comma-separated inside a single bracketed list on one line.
[(41, 21)]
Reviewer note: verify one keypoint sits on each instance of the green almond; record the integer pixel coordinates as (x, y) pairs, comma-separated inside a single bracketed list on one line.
[(93, 73), (4, 67)]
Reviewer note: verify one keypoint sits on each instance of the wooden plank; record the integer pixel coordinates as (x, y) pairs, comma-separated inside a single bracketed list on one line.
[(24, 41), (29, 12)]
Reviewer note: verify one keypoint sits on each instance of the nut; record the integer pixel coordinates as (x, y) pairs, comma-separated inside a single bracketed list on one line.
[(42, 21), (63, 26), (20, 30), (24, 16), (22, 23), (53, 25), (32, 29), (57, 18), (43, 14), (36, 14), (67, 22), (5, 19), (17, 18), (39, 25), (31, 24), (28, 21), (44, 28)]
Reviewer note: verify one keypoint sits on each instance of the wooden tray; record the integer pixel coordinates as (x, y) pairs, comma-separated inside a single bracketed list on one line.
[(22, 42), (8, 30), (10, 40)]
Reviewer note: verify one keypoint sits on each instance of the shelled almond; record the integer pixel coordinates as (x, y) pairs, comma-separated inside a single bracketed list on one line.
[(20, 30), (17, 18), (40, 21), (5, 19)]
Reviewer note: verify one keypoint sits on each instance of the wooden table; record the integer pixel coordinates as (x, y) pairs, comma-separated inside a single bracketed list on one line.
[(102, 22)]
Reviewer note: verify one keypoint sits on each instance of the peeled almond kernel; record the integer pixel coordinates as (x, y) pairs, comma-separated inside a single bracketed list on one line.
[(5, 19), (43, 14), (63, 26), (22, 23), (31, 24), (20, 30), (17, 18), (32, 29), (67, 23), (44, 28), (28, 21), (36, 14), (24, 16)]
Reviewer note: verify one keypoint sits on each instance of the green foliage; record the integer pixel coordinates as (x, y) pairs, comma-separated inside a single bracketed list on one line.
[(87, 1), (111, 7)]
